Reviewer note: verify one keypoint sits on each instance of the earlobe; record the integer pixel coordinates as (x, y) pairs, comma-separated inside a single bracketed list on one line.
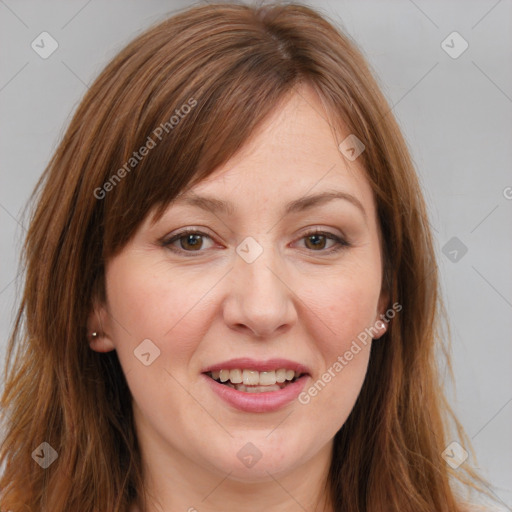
[(381, 327), (380, 322), (99, 342), (97, 331)]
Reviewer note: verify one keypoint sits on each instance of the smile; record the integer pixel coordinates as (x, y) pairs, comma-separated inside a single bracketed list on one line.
[(253, 381), (257, 398)]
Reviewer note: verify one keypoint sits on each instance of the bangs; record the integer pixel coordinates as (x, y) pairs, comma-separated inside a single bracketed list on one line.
[(184, 114)]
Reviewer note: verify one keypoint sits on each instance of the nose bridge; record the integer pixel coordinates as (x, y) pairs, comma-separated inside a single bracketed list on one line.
[(259, 298), (256, 261), (256, 266)]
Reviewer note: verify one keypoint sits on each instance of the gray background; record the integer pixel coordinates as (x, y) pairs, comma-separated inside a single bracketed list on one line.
[(455, 114)]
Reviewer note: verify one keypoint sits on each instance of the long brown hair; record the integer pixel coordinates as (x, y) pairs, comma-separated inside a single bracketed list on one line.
[(231, 65)]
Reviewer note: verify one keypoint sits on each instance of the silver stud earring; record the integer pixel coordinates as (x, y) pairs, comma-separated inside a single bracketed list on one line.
[(94, 335)]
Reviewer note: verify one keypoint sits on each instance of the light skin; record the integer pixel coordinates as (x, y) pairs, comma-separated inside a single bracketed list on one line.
[(206, 305)]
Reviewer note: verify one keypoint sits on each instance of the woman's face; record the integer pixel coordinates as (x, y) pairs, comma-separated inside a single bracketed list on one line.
[(255, 283)]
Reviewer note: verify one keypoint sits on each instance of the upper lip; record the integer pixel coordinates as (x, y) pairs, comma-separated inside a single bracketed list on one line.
[(261, 366)]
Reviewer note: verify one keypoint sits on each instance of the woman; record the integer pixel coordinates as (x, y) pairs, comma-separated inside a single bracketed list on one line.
[(231, 294)]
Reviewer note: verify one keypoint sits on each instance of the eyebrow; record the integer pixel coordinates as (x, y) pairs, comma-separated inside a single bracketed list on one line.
[(299, 205)]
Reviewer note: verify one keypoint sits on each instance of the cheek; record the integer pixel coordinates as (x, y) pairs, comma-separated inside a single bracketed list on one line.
[(153, 301), (345, 350), (344, 310), (148, 301), (347, 307), (171, 307)]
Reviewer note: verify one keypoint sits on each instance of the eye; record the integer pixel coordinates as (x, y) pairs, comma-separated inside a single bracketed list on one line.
[(316, 239), (190, 240)]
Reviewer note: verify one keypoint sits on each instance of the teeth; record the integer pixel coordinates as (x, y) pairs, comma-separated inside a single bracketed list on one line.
[(255, 378), (254, 389), (251, 378), (281, 375), (290, 374), (268, 378), (235, 376), (260, 389)]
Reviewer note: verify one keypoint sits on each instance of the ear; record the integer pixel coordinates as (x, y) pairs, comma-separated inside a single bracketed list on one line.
[(98, 323), (380, 324)]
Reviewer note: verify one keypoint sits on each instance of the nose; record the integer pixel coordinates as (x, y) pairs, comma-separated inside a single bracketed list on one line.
[(260, 300)]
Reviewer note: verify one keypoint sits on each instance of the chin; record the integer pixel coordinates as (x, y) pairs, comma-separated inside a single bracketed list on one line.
[(253, 457), (262, 471)]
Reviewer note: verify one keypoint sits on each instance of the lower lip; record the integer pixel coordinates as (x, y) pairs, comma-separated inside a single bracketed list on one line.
[(258, 402)]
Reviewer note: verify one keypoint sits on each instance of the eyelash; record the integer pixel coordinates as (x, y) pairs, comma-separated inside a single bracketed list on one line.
[(340, 242)]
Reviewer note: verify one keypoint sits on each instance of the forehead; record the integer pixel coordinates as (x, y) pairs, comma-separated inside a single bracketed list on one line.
[(291, 157)]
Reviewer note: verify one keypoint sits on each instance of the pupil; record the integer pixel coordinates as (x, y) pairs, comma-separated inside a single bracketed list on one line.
[(195, 240), (316, 244)]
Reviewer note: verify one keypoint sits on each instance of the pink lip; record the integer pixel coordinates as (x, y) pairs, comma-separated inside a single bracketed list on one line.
[(258, 402), (247, 363)]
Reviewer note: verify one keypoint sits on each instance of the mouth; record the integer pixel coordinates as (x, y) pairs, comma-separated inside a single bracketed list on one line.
[(252, 391), (253, 381)]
